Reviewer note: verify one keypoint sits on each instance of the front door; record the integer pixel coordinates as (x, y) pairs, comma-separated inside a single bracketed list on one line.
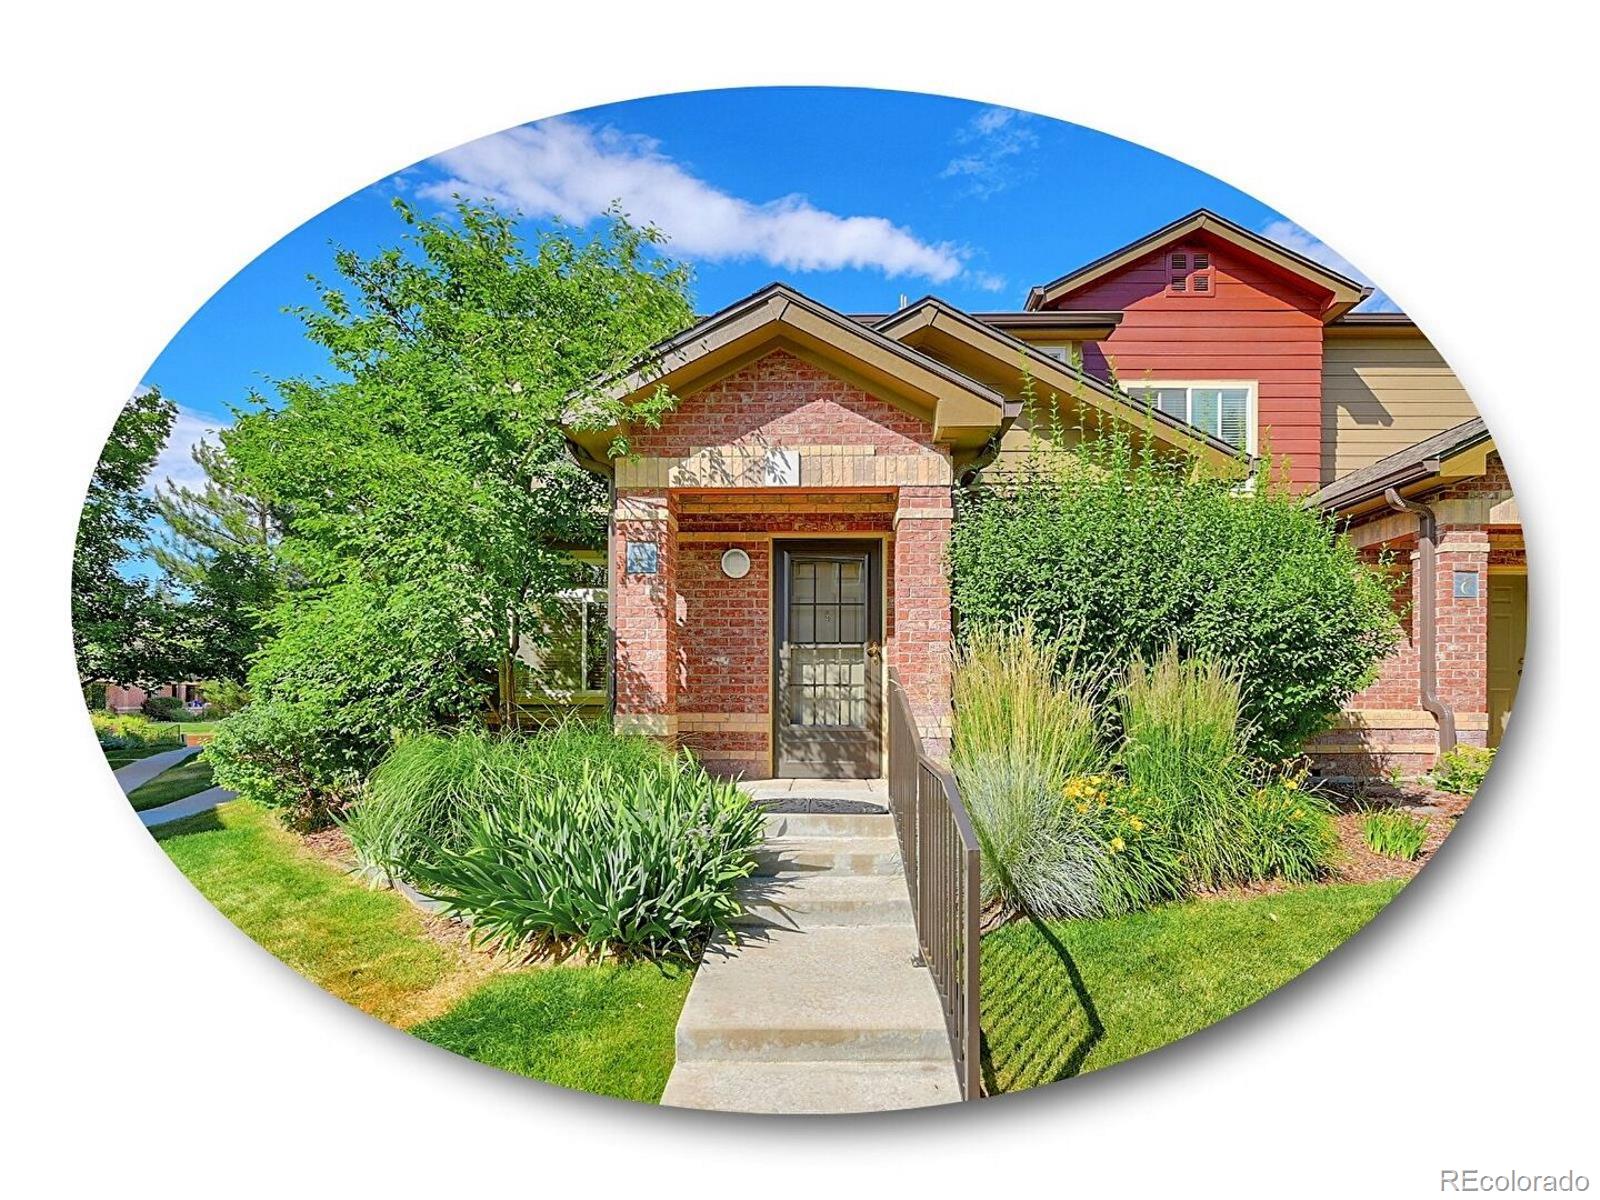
[(828, 639), (1508, 637)]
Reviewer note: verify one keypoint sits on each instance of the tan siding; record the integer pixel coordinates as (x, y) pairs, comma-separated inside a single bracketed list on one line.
[(1383, 394)]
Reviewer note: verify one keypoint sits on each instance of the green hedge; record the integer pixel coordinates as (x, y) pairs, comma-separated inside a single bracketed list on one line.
[(1120, 555)]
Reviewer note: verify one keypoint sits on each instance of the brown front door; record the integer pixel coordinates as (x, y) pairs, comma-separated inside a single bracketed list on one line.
[(828, 638)]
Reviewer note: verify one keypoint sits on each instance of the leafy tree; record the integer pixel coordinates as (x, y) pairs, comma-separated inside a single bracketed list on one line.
[(428, 502), (1122, 555), (218, 544), (118, 625)]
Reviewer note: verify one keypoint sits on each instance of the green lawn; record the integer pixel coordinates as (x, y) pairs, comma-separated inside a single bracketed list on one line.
[(602, 1029), (188, 777), (606, 1029), (1064, 997)]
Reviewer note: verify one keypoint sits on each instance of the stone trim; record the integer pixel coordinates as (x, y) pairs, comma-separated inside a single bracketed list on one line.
[(1403, 718), (724, 722), (736, 466), (648, 724)]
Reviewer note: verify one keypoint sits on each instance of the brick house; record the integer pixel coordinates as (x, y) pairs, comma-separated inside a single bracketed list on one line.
[(130, 698), (777, 545)]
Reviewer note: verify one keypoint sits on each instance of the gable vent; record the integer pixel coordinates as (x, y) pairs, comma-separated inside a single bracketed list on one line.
[(1189, 273)]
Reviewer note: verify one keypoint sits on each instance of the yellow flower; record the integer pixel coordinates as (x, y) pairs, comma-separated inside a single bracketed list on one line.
[(1298, 813), (1136, 823), (1083, 808), (1291, 784), (1117, 844)]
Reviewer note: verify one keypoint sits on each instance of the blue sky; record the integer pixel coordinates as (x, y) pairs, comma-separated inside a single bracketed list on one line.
[(856, 197)]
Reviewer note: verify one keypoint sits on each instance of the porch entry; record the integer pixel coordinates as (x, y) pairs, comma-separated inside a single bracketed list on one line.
[(828, 651)]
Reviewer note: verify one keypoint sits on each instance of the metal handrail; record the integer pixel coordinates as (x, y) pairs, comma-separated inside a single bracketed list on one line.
[(942, 863)]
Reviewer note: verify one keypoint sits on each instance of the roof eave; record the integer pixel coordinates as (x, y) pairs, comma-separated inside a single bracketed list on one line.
[(1345, 292)]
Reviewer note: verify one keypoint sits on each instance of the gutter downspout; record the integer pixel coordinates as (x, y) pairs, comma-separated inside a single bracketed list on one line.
[(1427, 631)]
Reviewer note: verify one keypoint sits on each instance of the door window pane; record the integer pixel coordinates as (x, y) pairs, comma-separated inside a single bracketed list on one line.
[(801, 623), (827, 623), (850, 578)]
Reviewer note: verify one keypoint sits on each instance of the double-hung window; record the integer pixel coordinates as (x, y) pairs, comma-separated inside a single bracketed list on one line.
[(570, 660), (1225, 410)]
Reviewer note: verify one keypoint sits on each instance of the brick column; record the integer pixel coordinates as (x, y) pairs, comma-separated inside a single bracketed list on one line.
[(1463, 630), (920, 648), (644, 614)]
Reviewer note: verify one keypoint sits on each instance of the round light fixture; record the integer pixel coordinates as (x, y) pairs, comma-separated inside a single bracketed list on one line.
[(735, 563)]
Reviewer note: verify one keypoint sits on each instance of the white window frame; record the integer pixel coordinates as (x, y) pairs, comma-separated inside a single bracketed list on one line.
[(1249, 386)]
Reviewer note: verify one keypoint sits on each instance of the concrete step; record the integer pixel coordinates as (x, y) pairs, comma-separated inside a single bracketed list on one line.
[(825, 899), (814, 825), (811, 1087), (841, 855), (821, 993)]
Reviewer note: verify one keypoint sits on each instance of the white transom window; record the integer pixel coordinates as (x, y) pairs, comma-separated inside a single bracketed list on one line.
[(1225, 410)]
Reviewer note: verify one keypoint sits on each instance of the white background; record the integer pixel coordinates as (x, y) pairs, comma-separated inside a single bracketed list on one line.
[(154, 149)]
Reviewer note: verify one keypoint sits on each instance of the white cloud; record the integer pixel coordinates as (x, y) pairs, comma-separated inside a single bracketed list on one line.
[(570, 170), (991, 141), (988, 281), (175, 464), (1287, 233)]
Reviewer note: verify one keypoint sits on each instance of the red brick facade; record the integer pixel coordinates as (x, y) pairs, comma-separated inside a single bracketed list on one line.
[(694, 648)]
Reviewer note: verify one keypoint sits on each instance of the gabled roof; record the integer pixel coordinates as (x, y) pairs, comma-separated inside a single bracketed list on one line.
[(1434, 458), (1344, 293), (936, 324), (963, 412)]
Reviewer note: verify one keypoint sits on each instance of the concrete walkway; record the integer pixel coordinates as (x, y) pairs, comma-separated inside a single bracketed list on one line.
[(143, 770), (820, 1007), (189, 806)]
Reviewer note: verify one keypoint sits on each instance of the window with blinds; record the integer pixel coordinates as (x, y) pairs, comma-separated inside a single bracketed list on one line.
[(1222, 410), (572, 657)]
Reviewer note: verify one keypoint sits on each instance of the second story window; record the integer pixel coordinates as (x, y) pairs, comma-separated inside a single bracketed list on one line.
[(1190, 273), (1224, 410)]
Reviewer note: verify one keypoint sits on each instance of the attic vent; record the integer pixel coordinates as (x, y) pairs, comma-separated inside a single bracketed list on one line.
[(1189, 273)]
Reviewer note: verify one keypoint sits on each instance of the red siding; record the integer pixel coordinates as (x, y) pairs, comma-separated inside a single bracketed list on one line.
[(1257, 325)]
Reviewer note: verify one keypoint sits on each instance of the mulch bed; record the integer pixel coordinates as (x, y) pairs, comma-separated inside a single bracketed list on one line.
[(1359, 864)]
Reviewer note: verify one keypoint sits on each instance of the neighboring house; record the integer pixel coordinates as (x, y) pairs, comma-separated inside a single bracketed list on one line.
[(1442, 512), (121, 698), (777, 544)]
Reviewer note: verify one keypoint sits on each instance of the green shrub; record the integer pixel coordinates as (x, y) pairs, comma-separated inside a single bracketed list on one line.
[(1462, 769), (1019, 694), (130, 731), (1038, 857), (427, 788), (1183, 749), (1140, 865), (1394, 834), (644, 859), (275, 754), (1292, 832), (164, 708), (346, 675), (1119, 554), (224, 697)]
